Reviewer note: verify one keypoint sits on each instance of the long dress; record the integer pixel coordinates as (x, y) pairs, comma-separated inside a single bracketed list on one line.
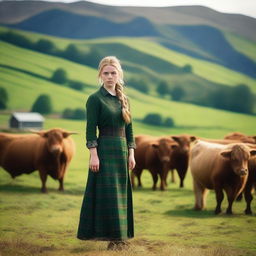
[(107, 211)]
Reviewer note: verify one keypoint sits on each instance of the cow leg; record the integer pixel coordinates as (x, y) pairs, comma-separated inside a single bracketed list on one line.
[(198, 191), (172, 176), (248, 198), (219, 198), (61, 186), (139, 172), (231, 194), (239, 197), (163, 180), (43, 176), (182, 174), (155, 179), (133, 173)]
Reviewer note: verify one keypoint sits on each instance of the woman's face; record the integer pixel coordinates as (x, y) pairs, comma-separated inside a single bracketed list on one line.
[(109, 76)]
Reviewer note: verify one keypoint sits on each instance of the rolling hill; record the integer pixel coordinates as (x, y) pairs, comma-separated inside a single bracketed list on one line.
[(16, 11), (23, 88), (204, 42)]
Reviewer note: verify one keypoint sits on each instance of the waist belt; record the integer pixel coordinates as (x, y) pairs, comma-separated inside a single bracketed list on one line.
[(112, 131)]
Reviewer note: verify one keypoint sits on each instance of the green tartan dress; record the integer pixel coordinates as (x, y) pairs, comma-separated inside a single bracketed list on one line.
[(107, 211)]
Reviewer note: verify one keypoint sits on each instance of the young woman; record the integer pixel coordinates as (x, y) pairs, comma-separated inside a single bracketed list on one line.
[(107, 211)]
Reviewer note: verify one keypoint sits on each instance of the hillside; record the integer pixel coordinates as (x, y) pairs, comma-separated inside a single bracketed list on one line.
[(17, 62), (17, 11), (203, 42)]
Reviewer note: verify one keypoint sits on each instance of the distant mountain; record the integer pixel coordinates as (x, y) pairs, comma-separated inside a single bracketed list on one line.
[(69, 25), (204, 42), (16, 11), (212, 41)]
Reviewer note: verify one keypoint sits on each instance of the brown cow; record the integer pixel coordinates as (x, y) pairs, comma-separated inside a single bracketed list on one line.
[(218, 167), (251, 182), (241, 137), (50, 152), (180, 155), (153, 155)]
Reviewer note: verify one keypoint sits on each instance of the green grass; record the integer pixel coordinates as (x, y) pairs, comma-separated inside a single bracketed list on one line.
[(242, 45), (205, 69), (165, 224)]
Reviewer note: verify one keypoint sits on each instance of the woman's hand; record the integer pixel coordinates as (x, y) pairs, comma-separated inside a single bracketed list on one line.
[(131, 159), (94, 163)]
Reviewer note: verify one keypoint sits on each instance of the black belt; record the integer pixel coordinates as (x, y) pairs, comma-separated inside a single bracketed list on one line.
[(112, 131)]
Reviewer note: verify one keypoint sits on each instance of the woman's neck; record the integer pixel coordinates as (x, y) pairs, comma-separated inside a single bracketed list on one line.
[(111, 90)]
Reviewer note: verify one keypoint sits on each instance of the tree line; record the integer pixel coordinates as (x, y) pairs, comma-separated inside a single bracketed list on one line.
[(71, 52), (238, 98)]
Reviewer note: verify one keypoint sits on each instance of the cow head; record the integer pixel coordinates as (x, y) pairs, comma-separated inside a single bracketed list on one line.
[(184, 142), (164, 148), (54, 139), (239, 155)]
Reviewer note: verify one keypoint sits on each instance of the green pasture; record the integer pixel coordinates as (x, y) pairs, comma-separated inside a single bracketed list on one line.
[(32, 223), (205, 69), (165, 222)]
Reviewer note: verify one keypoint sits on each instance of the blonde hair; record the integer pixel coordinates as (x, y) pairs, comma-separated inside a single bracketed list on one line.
[(119, 88)]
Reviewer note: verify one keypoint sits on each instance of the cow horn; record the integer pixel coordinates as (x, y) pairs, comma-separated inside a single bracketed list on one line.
[(66, 134), (35, 131)]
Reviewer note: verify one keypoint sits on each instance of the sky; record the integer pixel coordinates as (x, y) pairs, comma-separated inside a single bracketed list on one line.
[(246, 7)]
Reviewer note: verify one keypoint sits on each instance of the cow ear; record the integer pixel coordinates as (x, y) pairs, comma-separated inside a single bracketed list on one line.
[(40, 133), (253, 152), (193, 138), (176, 138), (226, 154), (66, 134)]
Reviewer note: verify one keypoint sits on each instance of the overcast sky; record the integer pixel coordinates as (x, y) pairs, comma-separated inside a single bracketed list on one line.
[(246, 7)]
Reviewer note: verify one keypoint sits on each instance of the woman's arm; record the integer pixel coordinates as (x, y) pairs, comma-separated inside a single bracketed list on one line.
[(131, 159), (94, 163)]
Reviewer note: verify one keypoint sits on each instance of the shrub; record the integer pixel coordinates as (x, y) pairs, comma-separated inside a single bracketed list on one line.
[(45, 46), (59, 76), (42, 104), (78, 114), (76, 85), (168, 122), (163, 88), (153, 119), (17, 39), (187, 68), (139, 84), (3, 98), (238, 99), (177, 93)]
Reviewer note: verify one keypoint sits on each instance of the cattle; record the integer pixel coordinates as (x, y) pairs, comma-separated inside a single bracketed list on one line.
[(155, 156), (180, 155), (49, 152), (219, 167), (241, 137), (251, 182)]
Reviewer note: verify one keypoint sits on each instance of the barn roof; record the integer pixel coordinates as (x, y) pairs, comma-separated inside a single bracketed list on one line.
[(28, 116)]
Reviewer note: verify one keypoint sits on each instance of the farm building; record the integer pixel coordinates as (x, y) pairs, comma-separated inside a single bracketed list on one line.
[(26, 120)]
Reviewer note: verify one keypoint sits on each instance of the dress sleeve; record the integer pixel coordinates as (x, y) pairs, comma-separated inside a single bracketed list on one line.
[(92, 114), (129, 136)]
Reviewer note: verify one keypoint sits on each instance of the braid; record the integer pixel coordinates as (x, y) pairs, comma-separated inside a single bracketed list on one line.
[(124, 102), (113, 61)]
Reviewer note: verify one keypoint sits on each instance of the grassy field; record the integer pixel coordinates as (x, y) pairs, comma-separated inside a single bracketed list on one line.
[(165, 223), (205, 69), (32, 223)]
